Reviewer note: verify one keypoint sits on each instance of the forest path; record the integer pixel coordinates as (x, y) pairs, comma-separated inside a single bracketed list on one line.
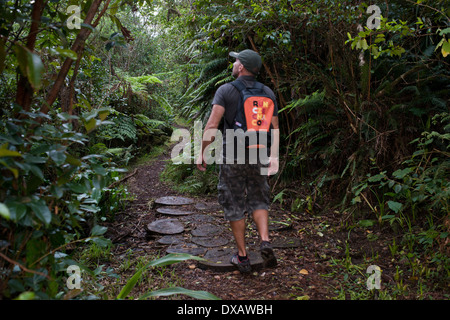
[(297, 275)]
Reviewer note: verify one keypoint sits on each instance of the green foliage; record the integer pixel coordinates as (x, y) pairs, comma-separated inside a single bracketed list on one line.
[(164, 261), (421, 187), (187, 179), (53, 196), (138, 84), (416, 197)]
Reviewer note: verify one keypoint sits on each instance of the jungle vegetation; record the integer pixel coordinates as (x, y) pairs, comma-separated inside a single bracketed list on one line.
[(364, 117)]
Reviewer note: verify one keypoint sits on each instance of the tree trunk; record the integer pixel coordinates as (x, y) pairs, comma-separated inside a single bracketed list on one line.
[(24, 92), (77, 46)]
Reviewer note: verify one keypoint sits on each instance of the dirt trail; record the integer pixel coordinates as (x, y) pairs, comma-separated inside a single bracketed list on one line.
[(297, 275)]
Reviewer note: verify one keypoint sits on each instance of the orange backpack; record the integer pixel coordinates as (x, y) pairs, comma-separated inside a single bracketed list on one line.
[(254, 114)]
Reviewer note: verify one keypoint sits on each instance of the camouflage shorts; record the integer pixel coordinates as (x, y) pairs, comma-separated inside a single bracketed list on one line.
[(242, 188)]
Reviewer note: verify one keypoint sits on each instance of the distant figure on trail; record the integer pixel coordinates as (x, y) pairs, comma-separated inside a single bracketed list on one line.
[(243, 186)]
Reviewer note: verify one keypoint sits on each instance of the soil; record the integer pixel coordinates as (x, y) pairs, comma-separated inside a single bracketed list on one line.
[(312, 269)]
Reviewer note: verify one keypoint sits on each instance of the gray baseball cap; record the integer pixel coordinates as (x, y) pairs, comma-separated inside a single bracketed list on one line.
[(250, 59)]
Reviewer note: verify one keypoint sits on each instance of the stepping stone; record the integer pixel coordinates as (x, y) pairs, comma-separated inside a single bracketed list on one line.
[(210, 242), (174, 201), (174, 212), (201, 206), (166, 226), (171, 240), (207, 230), (208, 206), (189, 248), (198, 218), (286, 243), (218, 259)]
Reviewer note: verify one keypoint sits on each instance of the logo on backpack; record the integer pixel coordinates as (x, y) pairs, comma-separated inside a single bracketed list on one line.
[(254, 115)]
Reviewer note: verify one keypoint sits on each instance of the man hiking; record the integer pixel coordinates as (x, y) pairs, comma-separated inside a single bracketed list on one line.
[(242, 187)]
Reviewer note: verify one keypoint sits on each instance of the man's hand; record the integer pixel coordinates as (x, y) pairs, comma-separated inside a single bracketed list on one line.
[(201, 164), (273, 166)]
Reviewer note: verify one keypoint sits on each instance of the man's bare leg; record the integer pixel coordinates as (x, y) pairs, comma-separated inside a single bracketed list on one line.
[(238, 228), (261, 218)]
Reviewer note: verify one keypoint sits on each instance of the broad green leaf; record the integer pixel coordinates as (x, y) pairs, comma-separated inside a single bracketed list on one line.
[(17, 210), (202, 295), (164, 261), (21, 55), (98, 230), (366, 223), (377, 177), (102, 242), (90, 125), (9, 153), (28, 295), (401, 173), (87, 26), (172, 258), (29, 158), (37, 171), (35, 69), (445, 48), (102, 114), (4, 211), (394, 206), (30, 65), (67, 53), (14, 171), (58, 156), (41, 210), (73, 161), (445, 31)]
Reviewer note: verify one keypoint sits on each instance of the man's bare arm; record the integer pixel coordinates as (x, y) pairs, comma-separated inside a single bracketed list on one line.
[(274, 149), (210, 128)]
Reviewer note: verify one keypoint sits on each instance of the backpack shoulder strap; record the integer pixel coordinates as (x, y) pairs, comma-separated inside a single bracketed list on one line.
[(258, 85), (239, 85)]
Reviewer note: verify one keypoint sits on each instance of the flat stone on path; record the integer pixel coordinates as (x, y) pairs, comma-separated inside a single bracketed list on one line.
[(197, 218), (188, 248), (218, 259), (174, 212), (207, 230), (174, 201), (171, 240), (210, 242), (166, 226), (208, 206)]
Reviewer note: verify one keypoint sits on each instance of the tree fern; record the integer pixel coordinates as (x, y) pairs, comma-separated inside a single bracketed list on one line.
[(139, 84), (142, 120), (123, 129)]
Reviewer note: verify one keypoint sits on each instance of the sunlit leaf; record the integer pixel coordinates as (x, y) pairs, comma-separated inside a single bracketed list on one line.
[(202, 295), (4, 211), (9, 153)]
